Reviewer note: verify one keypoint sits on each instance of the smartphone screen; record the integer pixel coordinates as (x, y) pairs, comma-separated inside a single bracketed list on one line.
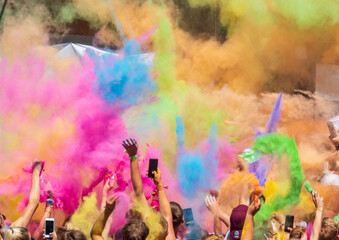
[(188, 216), (49, 226), (152, 166), (289, 222)]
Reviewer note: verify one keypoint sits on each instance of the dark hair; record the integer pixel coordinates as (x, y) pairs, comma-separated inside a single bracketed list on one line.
[(135, 230), (72, 235), (177, 214)]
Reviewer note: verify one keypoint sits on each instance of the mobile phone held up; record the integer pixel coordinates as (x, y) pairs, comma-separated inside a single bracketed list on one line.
[(49, 227), (188, 217), (152, 166), (289, 222)]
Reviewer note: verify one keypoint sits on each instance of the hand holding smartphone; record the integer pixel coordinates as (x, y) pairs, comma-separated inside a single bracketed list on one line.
[(49, 227), (289, 220)]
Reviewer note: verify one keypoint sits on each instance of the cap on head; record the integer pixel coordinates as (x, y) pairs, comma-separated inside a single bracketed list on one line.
[(237, 220)]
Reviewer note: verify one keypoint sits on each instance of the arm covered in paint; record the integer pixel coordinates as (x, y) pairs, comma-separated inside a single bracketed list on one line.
[(131, 147), (248, 229), (319, 204), (164, 205), (214, 208), (33, 199), (99, 225)]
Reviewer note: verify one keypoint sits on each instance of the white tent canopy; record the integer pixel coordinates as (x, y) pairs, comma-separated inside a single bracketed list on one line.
[(67, 50)]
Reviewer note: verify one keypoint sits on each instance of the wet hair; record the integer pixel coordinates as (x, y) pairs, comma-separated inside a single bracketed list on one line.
[(297, 232), (17, 233), (72, 235), (135, 230), (177, 214), (329, 230)]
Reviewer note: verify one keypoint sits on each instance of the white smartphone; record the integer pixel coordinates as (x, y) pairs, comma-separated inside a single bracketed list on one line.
[(49, 227)]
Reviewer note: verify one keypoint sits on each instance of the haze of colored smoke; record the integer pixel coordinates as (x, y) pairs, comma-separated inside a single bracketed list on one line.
[(86, 215), (282, 147), (196, 169), (262, 165), (124, 80)]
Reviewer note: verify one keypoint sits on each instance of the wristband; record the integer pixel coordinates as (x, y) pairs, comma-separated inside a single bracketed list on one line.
[(160, 186), (49, 201), (161, 189), (134, 157)]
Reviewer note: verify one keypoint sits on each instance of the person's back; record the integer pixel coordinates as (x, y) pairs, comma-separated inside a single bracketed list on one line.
[(135, 230)]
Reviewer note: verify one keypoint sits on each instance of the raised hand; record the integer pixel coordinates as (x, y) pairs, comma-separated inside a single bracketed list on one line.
[(255, 206), (318, 201), (157, 177), (111, 201), (109, 183), (131, 146), (212, 204)]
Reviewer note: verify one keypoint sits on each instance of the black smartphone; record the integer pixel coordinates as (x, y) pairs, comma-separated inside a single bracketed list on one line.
[(49, 227), (152, 166), (188, 216), (289, 222)]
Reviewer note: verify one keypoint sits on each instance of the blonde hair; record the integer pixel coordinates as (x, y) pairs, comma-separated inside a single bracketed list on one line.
[(17, 233)]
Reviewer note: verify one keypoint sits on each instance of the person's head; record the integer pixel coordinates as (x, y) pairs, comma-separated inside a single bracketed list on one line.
[(297, 233), (237, 220), (177, 214), (135, 230), (329, 230), (162, 235), (72, 235), (17, 233), (133, 214)]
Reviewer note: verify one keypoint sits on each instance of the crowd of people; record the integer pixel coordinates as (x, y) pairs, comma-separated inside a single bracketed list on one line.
[(240, 223)]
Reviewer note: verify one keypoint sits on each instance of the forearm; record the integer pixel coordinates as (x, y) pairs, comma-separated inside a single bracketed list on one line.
[(39, 231), (217, 226), (223, 217), (136, 178), (107, 228), (316, 225), (247, 232), (34, 195), (99, 225), (103, 201)]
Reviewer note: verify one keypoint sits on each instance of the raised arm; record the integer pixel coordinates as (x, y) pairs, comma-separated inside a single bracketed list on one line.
[(107, 187), (131, 147), (164, 205), (99, 225), (48, 213), (319, 204), (214, 208), (248, 229), (33, 199)]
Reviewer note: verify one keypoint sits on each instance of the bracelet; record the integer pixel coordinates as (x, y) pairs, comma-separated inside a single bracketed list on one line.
[(160, 186), (49, 201), (161, 189), (134, 157)]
